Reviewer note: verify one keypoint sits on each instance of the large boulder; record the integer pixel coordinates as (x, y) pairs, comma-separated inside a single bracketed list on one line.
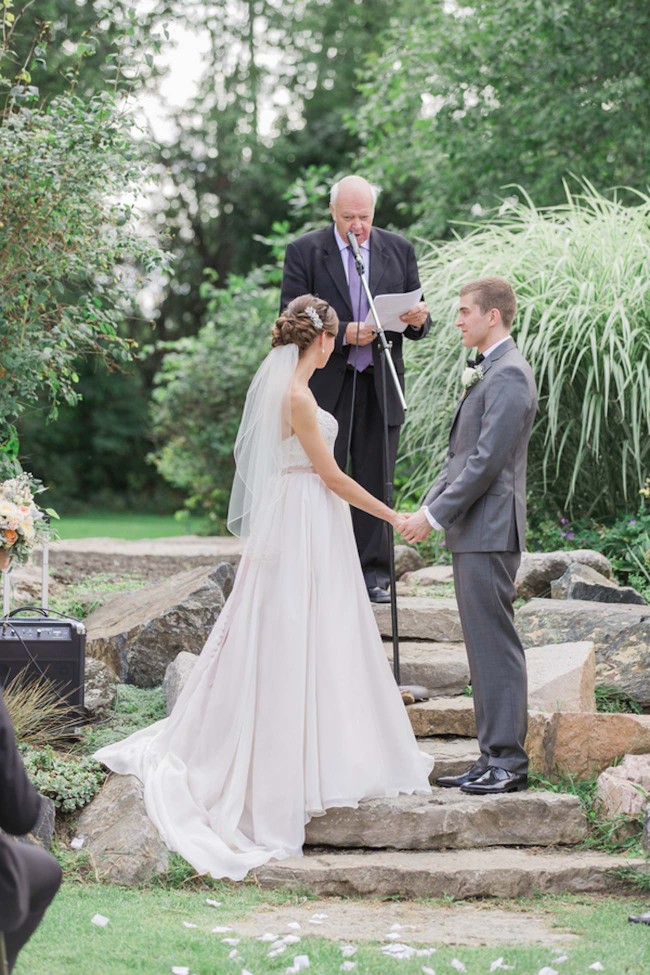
[(138, 634), (407, 559), (176, 676), (620, 634), (119, 837), (625, 662), (562, 677), (539, 569), (581, 744), (583, 582), (623, 790), (430, 575), (100, 689)]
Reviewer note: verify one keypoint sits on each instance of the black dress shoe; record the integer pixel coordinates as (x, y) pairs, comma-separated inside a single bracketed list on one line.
[(455, 781), (496, 780), (640, 918), (378, 595)]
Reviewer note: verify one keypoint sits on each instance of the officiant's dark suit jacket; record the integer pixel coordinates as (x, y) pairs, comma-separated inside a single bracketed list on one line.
[(29, 876), (313, 266)]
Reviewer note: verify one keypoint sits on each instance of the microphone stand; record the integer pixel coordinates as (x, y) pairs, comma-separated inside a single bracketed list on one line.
[(419, 693)]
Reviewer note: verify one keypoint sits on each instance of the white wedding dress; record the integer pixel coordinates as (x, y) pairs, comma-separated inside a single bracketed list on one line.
[(291, 708)]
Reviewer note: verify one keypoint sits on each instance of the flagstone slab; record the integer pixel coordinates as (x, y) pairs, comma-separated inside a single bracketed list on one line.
[(443, 716), (452, 755), (461, 874), (422, 618), (449, 818), (440, 667)]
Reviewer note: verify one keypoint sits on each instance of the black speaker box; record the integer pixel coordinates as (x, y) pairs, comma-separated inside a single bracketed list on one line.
[(44, 646)]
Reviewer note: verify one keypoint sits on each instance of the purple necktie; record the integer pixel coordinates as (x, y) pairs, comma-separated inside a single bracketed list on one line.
[(359, 356)]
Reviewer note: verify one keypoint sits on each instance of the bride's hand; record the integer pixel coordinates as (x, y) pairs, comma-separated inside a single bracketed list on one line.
[(398, 521)]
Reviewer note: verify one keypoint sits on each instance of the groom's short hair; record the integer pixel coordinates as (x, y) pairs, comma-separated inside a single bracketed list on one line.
[(493, 293)]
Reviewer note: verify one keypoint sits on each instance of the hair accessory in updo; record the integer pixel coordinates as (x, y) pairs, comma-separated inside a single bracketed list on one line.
[(315, 317)]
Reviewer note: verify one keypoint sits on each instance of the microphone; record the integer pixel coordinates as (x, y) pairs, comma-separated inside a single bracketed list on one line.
[(352, 240)]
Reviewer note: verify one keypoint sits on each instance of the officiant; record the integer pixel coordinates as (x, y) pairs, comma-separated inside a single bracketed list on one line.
[(322, 263)]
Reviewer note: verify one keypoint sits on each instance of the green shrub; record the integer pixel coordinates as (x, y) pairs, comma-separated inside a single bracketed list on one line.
[(201, 388), (625, 541), (581, 272), (69, 781)]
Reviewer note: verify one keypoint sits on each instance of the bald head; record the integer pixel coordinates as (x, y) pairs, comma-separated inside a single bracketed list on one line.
[(352, 205)]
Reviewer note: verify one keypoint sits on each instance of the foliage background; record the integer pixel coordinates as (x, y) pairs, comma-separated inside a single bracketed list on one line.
[(474, 119)]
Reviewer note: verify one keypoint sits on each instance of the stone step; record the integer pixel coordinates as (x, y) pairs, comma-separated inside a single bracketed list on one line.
[(450, 819), (440, 667), (461, 874), (422, 618), (443, 716), (453, 755)]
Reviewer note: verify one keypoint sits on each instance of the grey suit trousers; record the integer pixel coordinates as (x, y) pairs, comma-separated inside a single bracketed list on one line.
[(485, 592)]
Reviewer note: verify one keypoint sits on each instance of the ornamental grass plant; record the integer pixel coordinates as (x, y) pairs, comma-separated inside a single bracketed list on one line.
[(581, 272)]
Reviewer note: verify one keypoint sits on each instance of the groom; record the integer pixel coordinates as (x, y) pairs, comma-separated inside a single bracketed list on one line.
[(480, 501)]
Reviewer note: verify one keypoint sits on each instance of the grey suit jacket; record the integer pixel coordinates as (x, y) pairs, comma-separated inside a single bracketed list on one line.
[(480, 495)]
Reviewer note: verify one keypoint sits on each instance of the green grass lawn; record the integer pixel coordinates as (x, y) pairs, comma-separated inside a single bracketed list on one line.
[(146, 934), (128, 525)]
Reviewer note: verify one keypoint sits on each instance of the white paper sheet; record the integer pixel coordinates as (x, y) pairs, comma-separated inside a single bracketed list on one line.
[(390, 307)]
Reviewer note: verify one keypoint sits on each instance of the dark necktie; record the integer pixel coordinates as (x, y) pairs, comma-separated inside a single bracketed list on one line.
[(472, 363), (359, 356)]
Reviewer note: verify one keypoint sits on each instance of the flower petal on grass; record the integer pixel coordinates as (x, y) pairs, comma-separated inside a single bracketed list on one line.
[(212, 903), (348, 950), (77, 843), (268, 937), (188, 924), (231, 941), (180, 970), (220, 930), (458, 965), (99, 920), (348, 966), (596, 967)]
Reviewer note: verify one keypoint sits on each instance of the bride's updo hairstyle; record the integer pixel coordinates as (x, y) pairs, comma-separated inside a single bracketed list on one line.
[(299, 323)]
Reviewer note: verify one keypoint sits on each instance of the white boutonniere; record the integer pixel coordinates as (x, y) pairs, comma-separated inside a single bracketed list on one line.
[(470, 376)]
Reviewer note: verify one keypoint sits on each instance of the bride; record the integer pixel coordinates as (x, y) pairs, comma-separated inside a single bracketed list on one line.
[(291, 708)]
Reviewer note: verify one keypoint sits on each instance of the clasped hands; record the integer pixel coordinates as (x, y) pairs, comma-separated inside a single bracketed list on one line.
[(415, 317), (414, 527)]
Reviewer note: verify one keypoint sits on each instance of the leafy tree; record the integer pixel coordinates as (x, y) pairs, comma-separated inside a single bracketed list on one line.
[(70, 248), (581, 272), (470, 98)]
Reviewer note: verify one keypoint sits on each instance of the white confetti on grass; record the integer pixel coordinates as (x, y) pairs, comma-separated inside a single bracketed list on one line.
[(291, 939), (188, 924), (77, 843), (596, 967), (500, 966), (348, 950), (458, 965), (220, 930), (560, 958), (428, 971), (268, 937), (547, 971), (99, 920), (180, 970), (293, 925), (212, 903), (348, 966), (230, 941)]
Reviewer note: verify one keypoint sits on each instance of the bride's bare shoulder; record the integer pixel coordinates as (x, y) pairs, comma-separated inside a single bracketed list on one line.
[(302, 402)]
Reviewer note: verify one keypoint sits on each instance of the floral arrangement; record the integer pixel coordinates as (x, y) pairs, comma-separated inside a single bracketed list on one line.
[(22, 521)]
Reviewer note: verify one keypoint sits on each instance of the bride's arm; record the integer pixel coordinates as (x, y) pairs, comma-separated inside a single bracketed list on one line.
[(306, 428)]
